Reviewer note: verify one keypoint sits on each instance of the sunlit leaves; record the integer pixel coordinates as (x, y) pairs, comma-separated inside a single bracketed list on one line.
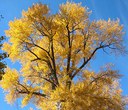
[(54, 51), (9, 79)]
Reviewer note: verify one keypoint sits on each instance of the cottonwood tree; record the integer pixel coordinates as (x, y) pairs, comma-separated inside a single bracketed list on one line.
[(55, 51)]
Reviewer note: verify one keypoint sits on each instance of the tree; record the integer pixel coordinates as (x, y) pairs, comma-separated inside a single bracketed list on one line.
[(3, 55), (55, 51)]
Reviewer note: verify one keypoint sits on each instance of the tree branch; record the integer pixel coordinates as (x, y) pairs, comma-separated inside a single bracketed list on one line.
[(26, 91), (48, 80), (53, 60), (41, 48), (86, 61), (34, 93), (69, 51), (33, 53)]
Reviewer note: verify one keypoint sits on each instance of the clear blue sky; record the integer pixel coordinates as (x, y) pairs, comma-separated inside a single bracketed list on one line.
[(101, 9)]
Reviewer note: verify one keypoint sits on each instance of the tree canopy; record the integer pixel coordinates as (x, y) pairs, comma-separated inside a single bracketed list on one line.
[(55, 51)]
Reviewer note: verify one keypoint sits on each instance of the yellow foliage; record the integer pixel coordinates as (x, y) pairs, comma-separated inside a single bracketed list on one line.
[(26, 100), (9, 79), (55, 52)]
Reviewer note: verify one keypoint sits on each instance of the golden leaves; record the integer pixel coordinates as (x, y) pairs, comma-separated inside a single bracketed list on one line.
[(20, 29), (36, 12), (72, 12), (26, 99), (56, 48), (8, 83), (9, 79)]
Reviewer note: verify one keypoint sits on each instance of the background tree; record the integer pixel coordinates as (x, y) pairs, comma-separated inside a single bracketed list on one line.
[(55, 51), (3, 55)]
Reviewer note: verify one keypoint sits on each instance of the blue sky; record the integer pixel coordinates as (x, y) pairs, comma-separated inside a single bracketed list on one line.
[(101, 9)]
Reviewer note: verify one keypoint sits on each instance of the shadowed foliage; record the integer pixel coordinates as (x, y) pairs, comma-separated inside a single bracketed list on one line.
[(3, 55)]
